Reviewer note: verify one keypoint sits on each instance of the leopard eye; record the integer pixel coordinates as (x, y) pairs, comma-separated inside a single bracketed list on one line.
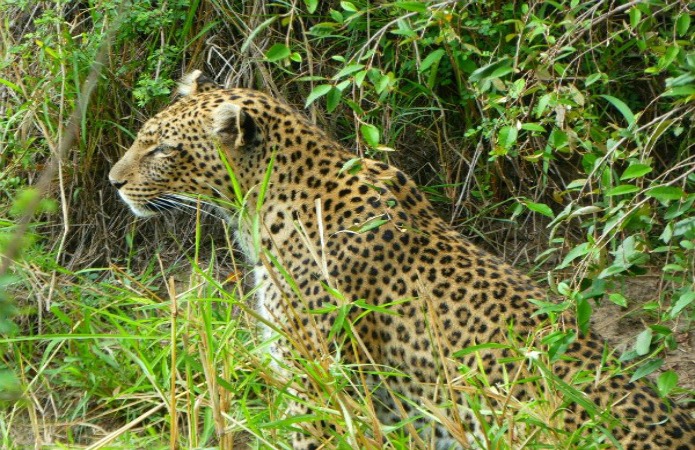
[(161, 151)]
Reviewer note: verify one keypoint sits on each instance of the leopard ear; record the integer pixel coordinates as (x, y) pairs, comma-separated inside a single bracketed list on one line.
[(195, 83), (233, 126)]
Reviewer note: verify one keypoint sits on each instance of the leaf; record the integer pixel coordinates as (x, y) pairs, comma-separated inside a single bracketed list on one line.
[(370, 133), (618, 299), (665, 193), (666, 382), (591, 79), (682, 302), (584, 311), (531, 126), (317, 92), (350, 165), (668, 57), (643, 342), (432, 58), (679, 91), (580, 250), (11, 85), (420, 7), (542, 105), (540, 208), (348, 6), (622, 107), (558, 139), (494, 70), (333, 99), (635, 16), (683, 24), (685, 227), (382, 84), (311, 5), (635, 171), (647, 368), (359, 77), (479, 347), (278, 52), (507, 136), (621, 190), (371, 224), (347, 70), (578, 183)]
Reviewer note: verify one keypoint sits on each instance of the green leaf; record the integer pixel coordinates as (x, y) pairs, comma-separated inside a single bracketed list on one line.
[(432, 58), (479, 347), (382, 84), (420, 7), (679, 91), (665, 193), (580, 250), (370, 133), (668, 57), (347, 70), (618, 299), (542, 105), (333, 99), (685, 227), (591, 79), (317, 92), (666, 382), (644, 341), (540, 208), (11, 85), (494, 70), (622, 107), (10, 387), (635, 171), (647, 368), (278, 52), (671, 268), (531, 126), (683, 24), (348, 6), (351, 165), (667, 234), (683, 301), (507, 137), (374, 222), (558, 139), (635, 16), (311, 5), (584, 311), (621, 190)]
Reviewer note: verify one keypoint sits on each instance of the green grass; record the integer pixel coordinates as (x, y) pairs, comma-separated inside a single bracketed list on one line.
[(558, 136)]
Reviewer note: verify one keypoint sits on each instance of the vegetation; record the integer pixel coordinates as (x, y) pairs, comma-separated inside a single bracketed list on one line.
[(557, 134)]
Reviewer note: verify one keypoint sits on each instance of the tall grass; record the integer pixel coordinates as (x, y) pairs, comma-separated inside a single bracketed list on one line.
[(557, 134)]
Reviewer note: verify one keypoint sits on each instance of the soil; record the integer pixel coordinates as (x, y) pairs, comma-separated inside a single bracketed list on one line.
[(620, 327)]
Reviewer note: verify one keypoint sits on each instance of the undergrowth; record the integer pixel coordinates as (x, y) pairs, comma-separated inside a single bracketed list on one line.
[(557, 134)]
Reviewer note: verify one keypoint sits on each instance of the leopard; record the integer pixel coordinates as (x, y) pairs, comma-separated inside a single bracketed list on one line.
[(324, 230)]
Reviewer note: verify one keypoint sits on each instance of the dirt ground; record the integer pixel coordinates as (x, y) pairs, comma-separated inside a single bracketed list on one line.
[(620, 326)]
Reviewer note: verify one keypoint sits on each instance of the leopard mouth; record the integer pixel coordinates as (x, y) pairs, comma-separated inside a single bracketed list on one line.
[(159, 205), (146, 208)]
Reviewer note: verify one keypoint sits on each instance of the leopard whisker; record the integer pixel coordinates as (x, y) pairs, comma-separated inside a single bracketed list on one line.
[(178, 202)]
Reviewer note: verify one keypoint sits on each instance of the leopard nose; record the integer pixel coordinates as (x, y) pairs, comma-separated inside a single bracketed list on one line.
[(117, 184)]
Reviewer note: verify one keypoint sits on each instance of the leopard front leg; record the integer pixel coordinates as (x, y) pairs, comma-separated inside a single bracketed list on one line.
[(312, 433)]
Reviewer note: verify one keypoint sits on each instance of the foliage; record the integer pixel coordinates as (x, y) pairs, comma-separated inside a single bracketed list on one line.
[(574, 118)]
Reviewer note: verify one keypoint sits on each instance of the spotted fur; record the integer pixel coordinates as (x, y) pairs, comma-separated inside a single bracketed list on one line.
[(364, 229)]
